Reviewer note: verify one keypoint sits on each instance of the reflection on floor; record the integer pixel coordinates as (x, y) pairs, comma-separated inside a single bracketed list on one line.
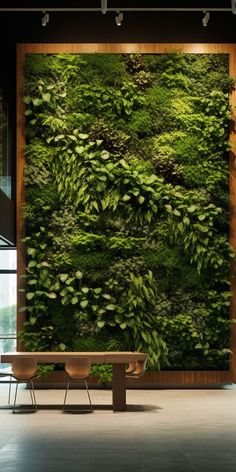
[(162, 431)]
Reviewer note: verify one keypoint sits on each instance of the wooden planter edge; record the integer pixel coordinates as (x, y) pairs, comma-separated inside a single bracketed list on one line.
[(152, 379)]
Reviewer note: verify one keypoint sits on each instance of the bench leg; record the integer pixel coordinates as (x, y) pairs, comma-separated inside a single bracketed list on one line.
[(118, 388)]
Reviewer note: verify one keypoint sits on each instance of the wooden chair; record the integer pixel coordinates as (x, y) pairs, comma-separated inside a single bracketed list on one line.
[(135, 370), (25, 370), (77, 369)]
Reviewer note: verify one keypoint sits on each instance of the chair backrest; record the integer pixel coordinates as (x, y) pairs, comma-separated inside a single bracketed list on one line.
[(131, 367), (78, 367), (138, 370), (140, 367), (24, 368)]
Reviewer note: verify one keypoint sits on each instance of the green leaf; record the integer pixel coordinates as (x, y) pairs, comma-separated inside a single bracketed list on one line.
[(63, 277), (32, 264), (30, 295), (62, 346), (106, 295), (95, 205), (192, 208), (123, 325), (37, 102), (51, 295), (32, 281), (168, 208), (31, 251), (79, 274), (100, 323), (201, 217), (85, 289), (110, 307), (176, 212), (46, 97), (27, 99), (79, 149), (103, 178), (84, 303), (105, 155), (45, 264), (72, 137), (141, 199), (97, 290), (59, 136), (74, 300), (126, 198)]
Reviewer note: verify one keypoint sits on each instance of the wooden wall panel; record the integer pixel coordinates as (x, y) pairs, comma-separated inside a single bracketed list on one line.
[(164, 379), (154, 48)]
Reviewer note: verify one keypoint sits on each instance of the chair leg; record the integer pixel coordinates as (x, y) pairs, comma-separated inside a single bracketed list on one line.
[(9, 392), (33, 394), (67, 388), (14, 406), (86, 384)]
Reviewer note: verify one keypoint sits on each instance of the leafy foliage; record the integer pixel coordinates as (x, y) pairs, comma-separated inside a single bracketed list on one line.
[(127, 206)]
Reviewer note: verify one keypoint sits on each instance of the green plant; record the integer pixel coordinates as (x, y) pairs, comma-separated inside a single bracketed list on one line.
[(127, 206)]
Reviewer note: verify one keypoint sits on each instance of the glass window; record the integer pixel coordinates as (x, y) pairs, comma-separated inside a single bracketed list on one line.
[(7, 259), (7, 301)]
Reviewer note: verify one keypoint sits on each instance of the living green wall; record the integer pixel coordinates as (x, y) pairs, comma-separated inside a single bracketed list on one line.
[(126, 210)]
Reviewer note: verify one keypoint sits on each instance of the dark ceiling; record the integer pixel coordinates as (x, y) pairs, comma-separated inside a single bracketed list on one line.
[(115, 3)]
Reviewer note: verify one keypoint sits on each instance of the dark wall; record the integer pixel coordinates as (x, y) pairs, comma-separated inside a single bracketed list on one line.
[(170, 27), (7, 220), (143, 27)]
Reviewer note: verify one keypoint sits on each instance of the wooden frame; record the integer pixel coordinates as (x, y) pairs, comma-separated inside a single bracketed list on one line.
[(152, 48)]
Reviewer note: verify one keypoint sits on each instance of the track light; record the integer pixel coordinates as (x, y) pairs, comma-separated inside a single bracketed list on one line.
[(205, 18), (45, 18), (103, 6), (119, 18), (233, 6)]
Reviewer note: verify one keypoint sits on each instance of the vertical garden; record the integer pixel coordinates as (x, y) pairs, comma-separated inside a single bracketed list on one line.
[(127, 212)]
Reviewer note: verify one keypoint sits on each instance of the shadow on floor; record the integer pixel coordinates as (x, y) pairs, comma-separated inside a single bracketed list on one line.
[(80, 407)]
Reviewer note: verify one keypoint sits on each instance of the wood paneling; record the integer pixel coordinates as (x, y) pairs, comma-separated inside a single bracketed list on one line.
[(154, 48), (153, 379)]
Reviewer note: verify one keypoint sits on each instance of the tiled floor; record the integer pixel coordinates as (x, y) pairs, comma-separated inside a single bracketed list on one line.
[(162, 431)]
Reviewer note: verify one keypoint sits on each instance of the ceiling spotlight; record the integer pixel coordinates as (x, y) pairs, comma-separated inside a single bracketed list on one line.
[(205, 18), (119, 18), (45, 18), (103, 6), (233, 6)]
